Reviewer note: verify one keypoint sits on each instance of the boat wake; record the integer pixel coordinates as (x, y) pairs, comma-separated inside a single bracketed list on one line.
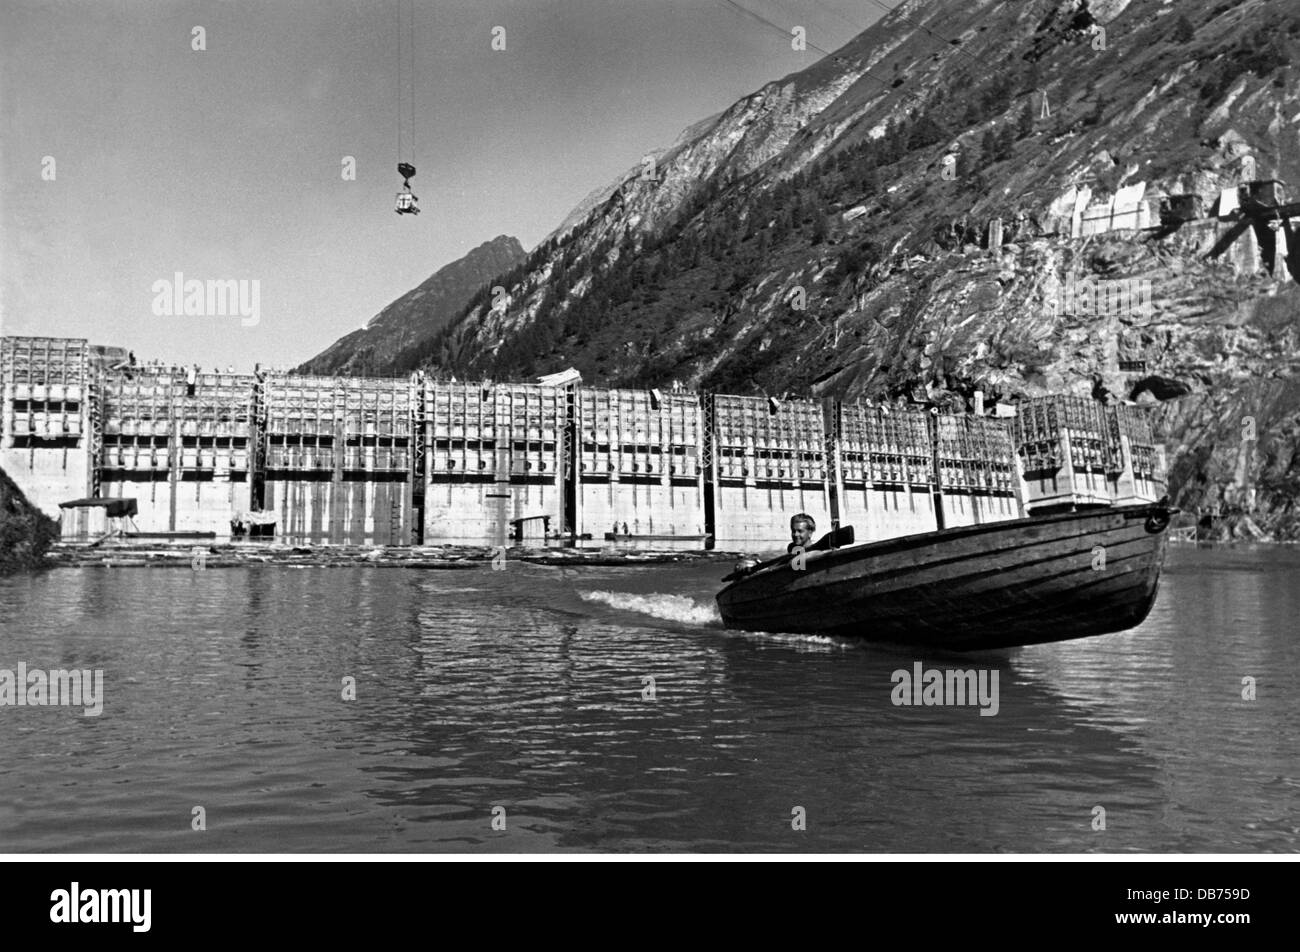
[(687, 611), (675, 608), (800, 642)]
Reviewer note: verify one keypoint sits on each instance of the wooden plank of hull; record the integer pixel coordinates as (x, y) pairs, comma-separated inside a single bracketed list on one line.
[(1003, 584)]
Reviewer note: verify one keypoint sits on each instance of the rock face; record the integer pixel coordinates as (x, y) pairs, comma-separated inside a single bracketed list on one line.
[(393, 340), (1036, 193), (25, 532)]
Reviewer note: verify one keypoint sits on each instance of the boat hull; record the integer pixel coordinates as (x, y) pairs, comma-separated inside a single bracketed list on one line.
[(1002, 584)]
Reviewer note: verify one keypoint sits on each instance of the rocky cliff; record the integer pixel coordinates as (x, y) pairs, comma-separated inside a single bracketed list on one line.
[(1016, 197)]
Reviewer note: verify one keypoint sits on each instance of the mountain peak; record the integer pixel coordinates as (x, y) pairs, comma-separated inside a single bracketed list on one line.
[(393, 339)]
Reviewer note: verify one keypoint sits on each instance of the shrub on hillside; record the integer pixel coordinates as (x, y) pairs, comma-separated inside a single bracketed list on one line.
[(26, 533)]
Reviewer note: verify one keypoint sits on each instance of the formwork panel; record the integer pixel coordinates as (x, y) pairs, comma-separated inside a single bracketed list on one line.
[(977, 470), (41, 366), (530, 420), (339, 458), (887, 459), (494, 446), (44, 445), (770, 464), (461, 432), (1137, 456), (378, 427), (214, 433), (885, 446), (887, 471), (640, 457), (976, 455), (755, 441), (180, 442), (1066, 452)]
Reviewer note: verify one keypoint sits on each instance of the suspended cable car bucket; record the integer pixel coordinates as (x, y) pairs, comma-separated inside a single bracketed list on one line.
[(406, 204)]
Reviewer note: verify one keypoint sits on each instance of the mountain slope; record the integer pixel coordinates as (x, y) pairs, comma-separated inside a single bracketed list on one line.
[(757, 189), (736, 267), (384, 344)]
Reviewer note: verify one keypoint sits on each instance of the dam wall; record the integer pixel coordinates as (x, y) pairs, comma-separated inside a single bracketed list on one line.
[(338, 462), (495, 461), (179, 443), (887, 465), (44, 431), (769, 463), (1075, 451), (640, 464), (372, 461)]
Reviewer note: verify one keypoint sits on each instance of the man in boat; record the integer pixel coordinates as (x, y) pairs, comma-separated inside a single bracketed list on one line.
[(802, 528)]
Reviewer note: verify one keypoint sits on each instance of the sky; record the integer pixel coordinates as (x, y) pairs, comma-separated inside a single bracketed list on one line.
[(128, 157)]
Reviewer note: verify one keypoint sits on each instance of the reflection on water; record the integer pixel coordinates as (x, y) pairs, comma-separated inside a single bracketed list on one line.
[(606, 709)]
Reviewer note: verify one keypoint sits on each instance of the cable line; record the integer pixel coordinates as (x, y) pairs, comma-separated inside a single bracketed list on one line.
[(786, 33), (922, 26), (406, 201)]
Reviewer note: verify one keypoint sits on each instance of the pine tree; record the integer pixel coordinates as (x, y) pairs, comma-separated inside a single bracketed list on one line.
[(968, 167), (1098, 113), (1025, 126), (871, 184), (1006, 141), (819, 230), (1031, 77), (989, 144)]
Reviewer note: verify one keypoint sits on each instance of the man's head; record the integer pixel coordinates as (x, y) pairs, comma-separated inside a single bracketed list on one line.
[(802, 528)]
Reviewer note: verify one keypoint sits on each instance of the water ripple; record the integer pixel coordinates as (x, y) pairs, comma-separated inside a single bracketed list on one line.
[(607, 709)]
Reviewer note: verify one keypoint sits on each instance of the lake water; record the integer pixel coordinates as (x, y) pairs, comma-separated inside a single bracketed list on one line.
[(521, 696)]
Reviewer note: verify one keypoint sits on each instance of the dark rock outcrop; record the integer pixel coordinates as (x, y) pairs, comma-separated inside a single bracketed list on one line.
[(26, 533)]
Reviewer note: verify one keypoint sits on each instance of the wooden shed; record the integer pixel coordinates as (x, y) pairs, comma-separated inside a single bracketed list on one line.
[(89, 520)]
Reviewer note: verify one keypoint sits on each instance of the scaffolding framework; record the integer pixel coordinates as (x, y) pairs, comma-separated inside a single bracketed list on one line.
[(44, 391), (348, 459)]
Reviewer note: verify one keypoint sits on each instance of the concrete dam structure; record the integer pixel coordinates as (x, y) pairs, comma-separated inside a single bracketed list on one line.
[(320, 460)]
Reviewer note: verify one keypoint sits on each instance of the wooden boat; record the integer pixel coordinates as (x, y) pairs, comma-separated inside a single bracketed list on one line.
[(1019, 582)]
